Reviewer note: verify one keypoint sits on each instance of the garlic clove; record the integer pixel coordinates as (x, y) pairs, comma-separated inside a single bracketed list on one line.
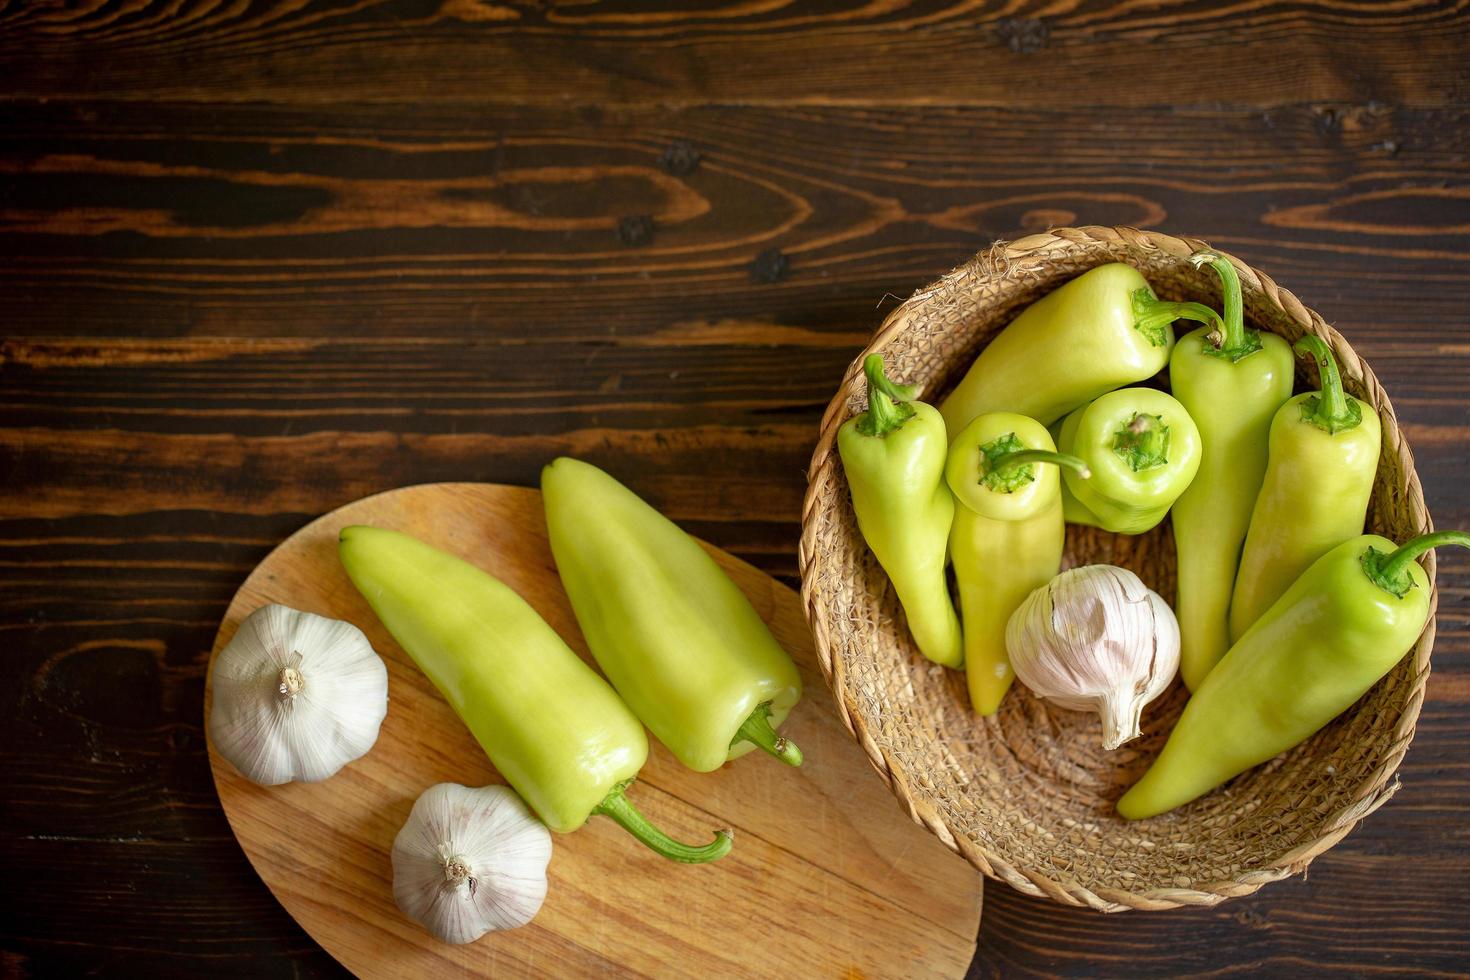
[(296, 696), (470, 860), (1096, 639)]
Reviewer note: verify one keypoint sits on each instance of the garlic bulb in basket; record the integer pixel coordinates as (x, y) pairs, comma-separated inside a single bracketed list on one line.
[(296, 696), (1096, 638), (470, 860)]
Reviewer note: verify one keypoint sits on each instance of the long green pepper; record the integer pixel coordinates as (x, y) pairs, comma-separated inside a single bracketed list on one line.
[(675, 636), (1319, 475), (1231, 382), (1344, 624), (552, 727), (1143, 450), (1100, 331), (893, 455), (1007, 538)]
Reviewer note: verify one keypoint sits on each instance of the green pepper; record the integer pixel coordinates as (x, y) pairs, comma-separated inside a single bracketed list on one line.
[(1319, 475), (552, 727), (1143, 450), (1007, 537), (893, 455), (1231, 382), (677, 638), (1102, 330), (1339, 628)]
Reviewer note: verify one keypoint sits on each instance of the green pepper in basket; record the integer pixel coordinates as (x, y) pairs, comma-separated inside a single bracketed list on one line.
[(676, 637), (1344, 624), (1007, 538), (1143, 450), (1231, 382), (1102, 330), (893, 455), (1319, 475), (552, 727)]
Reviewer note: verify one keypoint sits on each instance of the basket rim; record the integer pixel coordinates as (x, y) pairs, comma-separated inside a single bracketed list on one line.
[(1367, 797)]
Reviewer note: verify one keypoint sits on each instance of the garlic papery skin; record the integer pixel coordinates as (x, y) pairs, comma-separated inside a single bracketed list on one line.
[(1096, 639), (296, 696), (470, 860)]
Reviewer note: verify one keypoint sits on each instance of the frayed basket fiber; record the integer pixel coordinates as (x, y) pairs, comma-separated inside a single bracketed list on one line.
[(1027, 795)]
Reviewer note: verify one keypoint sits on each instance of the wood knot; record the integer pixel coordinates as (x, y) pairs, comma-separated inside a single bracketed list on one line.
[(635, 229), (1023, 35), (679, 158), (770, 266)]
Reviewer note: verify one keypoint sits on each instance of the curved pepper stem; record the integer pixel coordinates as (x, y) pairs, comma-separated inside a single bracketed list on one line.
[(1331, 409), (1232, 341), (1152, 316), (1001, 461), (1391, 572), (887, 402), (617, 806), (757, 730)]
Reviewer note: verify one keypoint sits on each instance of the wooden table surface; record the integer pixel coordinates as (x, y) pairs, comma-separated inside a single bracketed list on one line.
[(260, 258)]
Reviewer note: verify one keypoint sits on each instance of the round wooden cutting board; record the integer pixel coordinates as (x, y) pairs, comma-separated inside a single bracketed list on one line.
[(828, 878)]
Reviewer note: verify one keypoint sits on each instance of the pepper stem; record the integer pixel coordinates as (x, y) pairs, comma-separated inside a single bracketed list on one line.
[(1143, 443), (1232, 340), (757, 730), (1330, 409), (887, 408), (617, 806), (1152, 316), (1391, 572)]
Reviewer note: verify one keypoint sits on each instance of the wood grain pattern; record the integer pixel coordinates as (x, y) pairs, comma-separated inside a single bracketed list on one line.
[(224, 315), (827, 878)]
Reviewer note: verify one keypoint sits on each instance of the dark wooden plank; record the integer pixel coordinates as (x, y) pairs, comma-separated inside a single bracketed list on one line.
[(1029, 53), (168, 220)]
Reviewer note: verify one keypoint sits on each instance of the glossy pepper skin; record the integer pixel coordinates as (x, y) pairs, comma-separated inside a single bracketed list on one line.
[(1007, 537), (1319, 475), (1100, 331), (554, 729), (893, 455), (1143, 450), (675, 636), (1339, 628), (1231, 382)]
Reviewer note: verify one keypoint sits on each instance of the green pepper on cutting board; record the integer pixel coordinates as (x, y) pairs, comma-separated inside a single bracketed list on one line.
[(554, 729), (1231, 382), (1100, 331), (1143, 450), (675, 636), (1007, 537), (1339, 628), (1319, 475), (893, 455)]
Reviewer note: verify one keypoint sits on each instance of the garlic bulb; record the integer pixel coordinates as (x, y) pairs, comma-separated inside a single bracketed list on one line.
[(470, 860), (1096, 638), (296, 696)]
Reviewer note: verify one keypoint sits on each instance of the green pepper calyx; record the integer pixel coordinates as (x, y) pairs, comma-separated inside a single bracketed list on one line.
[(1152, 316), (1143, 443), (617, 806), (1231, 340), (888, 407), (1006, 463), (1390, 572), (1330, 409), (757, 730)]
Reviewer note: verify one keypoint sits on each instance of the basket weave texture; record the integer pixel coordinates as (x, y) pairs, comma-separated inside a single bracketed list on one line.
[(1027, 795)]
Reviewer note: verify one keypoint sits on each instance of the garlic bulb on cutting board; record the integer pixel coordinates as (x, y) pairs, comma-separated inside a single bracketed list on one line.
[(296, 696), (1096, 639), (470, 860)]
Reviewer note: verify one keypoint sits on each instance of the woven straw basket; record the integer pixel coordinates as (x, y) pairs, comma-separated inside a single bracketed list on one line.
[(1027, 795)]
